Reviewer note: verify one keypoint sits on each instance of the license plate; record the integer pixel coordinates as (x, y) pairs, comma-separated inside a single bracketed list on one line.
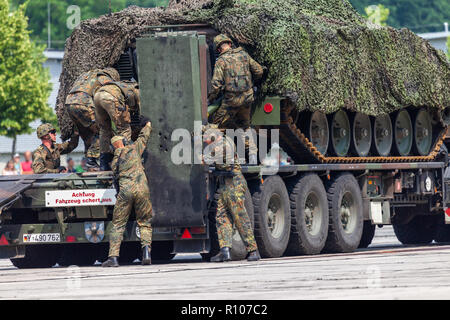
[(42, 237)]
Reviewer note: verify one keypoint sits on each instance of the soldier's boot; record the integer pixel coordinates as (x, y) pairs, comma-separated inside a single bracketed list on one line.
[(92, 163), (105, 161), (111, 262), (253, 256), (223, 255), (146, 257)]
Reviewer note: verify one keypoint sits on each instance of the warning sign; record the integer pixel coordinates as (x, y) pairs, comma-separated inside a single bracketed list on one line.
[(76, 198)]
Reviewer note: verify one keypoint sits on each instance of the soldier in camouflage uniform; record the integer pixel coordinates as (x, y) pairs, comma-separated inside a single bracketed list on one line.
[(80, 107), (133, 192), (113, 103), (234, 73), (46, 158), (232, 187)]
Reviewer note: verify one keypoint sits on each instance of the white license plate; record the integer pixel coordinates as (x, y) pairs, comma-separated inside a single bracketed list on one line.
[(42, 237)]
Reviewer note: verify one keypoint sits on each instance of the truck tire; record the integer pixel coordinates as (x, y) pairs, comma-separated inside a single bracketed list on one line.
[(420, 230), (272, 216), (37, 256), (238, 250), (367, 235), (129, 251), (309, 215), (345, 214)]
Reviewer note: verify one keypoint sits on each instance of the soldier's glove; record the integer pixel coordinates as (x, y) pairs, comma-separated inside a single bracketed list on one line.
[(143, 121), (62, 169)]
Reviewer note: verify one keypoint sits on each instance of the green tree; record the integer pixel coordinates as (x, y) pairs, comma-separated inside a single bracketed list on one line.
[(418, 15), (24, 83), (377, 14)]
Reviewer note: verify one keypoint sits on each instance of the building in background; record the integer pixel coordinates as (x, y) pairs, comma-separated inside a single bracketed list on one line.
[(438, 39), (29, 142)]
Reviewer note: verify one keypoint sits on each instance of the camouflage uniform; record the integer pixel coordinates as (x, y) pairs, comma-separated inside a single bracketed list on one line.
[(113, 102), (47, 160), (230, 203), (80, 106), (133, 192), (233, 77)]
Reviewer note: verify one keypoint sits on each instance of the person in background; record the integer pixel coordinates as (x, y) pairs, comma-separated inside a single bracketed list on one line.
[(26, 165), (70, 166), (9, 169), (17, 163), (82, 166)]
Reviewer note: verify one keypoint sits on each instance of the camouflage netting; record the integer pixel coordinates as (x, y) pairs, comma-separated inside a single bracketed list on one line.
[(320, 53)]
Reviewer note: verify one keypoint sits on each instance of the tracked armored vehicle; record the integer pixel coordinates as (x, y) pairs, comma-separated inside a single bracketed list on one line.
[(343, 170)]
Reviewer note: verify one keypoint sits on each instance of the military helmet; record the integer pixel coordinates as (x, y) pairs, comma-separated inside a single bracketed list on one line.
[(113, 73), (44, 129), (221, 38), (115, 139)]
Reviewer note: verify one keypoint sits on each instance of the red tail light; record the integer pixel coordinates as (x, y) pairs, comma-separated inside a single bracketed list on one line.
[(268, 108), (71, 239), (198, 230)]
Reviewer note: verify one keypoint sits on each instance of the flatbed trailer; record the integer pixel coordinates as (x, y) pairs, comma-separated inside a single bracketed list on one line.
[(296, 209)]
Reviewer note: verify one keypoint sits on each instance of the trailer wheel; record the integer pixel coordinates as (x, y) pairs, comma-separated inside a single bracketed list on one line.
[(272, 216), (346, 219), (309, 216), (367, 234), (238, 250), (37, 256), (420, 230)]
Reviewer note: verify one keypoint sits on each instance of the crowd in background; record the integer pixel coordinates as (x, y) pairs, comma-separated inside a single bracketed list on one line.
[(16, 166)]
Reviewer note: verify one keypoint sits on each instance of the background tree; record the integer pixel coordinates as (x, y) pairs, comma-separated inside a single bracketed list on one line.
[(377, 14), (418, 15), (24, 83)]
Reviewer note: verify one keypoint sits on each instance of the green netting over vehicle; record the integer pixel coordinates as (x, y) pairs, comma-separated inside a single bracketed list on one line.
[(320, 53)]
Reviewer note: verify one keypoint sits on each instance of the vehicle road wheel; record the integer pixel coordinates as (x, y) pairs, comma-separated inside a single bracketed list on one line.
[(238, 250), (345, 209), (309, 216), (272, 216), (38, 256), (420, 230), (367, 235)]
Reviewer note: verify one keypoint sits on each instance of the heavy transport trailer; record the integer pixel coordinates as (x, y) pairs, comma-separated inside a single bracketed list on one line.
[(322, 202)]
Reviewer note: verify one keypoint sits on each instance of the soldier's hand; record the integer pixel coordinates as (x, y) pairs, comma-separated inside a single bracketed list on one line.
[(62, 169)]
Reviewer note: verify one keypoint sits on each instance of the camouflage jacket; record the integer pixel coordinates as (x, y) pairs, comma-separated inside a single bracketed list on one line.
[(234, 73), (84, 88), (48, 160), (123, 92), (222, 154), (127, 161)]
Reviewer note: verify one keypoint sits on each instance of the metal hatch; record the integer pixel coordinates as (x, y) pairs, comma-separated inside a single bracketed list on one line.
[(171, 96)]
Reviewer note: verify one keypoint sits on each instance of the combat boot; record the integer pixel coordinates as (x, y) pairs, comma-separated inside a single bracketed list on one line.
[(111, 262), (146, 257), (253, 256), (223, 255), (105, 161)]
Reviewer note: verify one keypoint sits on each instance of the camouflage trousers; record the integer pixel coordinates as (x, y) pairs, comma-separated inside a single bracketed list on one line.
[(108, 109), (231, 211), (235, 113), (83, 116), (137, 196)]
